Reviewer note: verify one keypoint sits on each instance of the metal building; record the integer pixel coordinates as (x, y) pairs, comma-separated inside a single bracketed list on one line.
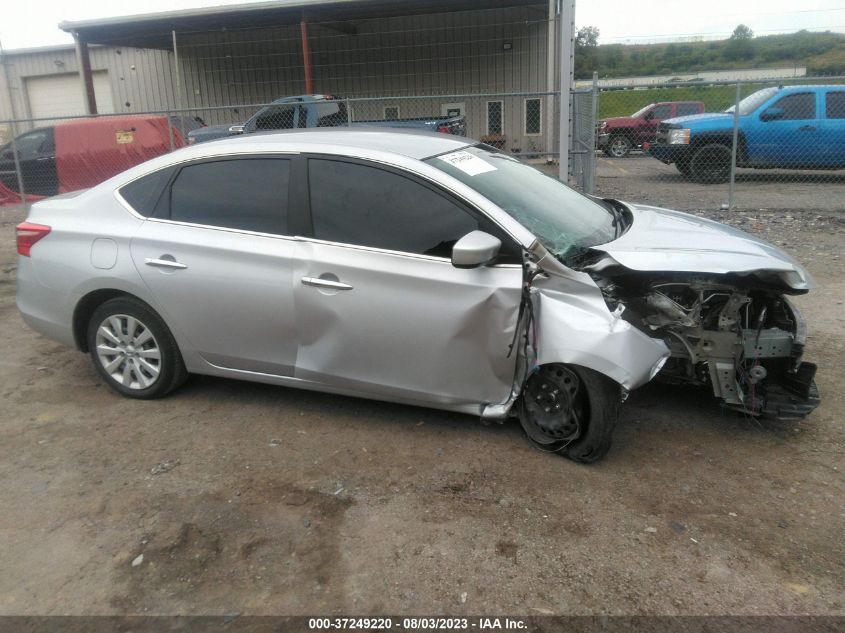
[(220, 61)]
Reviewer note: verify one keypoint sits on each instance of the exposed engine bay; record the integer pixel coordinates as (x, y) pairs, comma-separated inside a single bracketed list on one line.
[(738, 335)]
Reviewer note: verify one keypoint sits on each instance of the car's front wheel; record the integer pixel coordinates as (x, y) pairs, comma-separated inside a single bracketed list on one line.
[(619, 146), (133, 350), (711, 164), (571, 410)]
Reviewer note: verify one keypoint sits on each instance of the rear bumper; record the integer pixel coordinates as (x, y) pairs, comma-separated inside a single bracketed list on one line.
[(43, 309)]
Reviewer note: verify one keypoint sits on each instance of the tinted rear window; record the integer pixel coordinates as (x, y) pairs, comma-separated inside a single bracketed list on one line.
[(142, 194), (248, 194)]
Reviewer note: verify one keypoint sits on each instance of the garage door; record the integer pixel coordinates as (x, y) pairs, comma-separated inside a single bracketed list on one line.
[(61, 95)]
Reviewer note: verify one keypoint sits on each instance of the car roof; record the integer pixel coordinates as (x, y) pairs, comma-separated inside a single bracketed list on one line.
[(344, 141)]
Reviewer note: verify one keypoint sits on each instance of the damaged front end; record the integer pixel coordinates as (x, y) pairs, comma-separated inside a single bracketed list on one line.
[(734, 334), (746, 344)]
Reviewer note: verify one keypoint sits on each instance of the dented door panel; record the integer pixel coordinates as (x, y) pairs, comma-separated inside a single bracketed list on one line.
[(409, 327)]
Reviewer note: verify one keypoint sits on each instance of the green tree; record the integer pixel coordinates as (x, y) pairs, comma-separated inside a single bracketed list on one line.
[(740, 44), (586, 46)]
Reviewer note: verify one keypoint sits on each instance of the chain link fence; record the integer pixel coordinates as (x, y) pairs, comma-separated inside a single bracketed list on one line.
[(744, 145), (50, 156)]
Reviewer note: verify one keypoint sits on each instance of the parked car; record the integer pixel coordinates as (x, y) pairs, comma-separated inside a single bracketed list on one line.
[(309, 111), (416, 268), (795, 127), (617, 136), (82, 153)]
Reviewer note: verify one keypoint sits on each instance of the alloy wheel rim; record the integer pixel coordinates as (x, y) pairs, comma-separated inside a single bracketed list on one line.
[(128, 351), (619, 148)]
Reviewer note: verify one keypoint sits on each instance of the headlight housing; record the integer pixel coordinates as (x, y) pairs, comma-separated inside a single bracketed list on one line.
[(678, 137)]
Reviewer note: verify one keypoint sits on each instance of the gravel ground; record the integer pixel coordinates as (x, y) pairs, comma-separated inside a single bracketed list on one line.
[(236, 497), (641, 178)]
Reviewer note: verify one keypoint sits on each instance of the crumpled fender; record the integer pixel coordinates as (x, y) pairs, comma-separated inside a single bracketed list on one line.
[(575, 326)]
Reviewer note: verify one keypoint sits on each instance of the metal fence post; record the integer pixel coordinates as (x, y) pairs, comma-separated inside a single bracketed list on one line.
[(591, 156), (348, 112), (170, 131), (732, 185), (178, 81), (567, 35), (18, 172)]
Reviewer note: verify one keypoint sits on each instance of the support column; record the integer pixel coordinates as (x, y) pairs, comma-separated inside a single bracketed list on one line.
[(550, 81), (306, 57), (83, 60), (567, 45)]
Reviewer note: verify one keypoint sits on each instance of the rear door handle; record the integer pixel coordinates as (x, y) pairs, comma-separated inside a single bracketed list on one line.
[(807, 128), (325, 283), (164, 263)]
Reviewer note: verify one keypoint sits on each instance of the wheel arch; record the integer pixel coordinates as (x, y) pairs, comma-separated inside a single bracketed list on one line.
[(86, 306), (723, 137)]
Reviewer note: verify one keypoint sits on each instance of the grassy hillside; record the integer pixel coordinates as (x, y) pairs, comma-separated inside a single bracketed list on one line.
[(821, 53)]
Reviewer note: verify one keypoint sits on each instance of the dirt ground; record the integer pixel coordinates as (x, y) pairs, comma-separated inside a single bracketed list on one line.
[(245, 498)]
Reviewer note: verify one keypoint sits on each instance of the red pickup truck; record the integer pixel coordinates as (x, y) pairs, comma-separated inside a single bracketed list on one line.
[(619, 135)]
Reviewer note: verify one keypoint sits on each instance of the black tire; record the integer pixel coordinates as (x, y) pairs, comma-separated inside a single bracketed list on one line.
[(683, 167), (618, 146), (593, 397), (119, 313), (711, 164)]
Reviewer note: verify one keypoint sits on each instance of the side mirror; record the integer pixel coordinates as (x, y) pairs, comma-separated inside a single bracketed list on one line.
[(236, 129), (771, 114), (475, 249), (649, 115)]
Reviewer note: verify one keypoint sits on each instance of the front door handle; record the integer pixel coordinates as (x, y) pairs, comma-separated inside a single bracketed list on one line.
[(325, 283), (164, 263), (807, 128)]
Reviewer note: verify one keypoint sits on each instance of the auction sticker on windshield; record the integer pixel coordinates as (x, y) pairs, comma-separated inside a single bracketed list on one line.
[(468, 163)]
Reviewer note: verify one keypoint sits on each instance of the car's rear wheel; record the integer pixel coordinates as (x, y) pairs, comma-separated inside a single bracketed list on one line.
[(571, 410), (683, 167), (618, 146), (133, 350), (711, 164)]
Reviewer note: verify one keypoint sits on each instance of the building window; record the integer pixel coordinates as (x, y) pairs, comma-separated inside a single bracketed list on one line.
[(495, 117), (533, 116), (391, 113)]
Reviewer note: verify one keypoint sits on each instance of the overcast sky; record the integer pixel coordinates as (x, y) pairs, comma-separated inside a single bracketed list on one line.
[(34, 23)]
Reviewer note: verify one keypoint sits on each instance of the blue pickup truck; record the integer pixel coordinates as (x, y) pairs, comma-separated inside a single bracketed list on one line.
[(308, 111), (795, 127)]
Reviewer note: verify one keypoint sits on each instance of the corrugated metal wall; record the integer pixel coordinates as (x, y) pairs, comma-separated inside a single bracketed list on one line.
[(140, 79), (470, 52), (496, 50)]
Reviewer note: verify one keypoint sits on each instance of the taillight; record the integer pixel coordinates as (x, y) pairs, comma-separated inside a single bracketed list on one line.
[(443, 129), (28, 235)]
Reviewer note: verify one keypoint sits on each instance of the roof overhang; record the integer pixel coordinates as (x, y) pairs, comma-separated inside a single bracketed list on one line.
[(153, 30)]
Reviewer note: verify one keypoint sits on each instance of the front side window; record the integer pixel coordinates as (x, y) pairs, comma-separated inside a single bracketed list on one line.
[(249, 194), (661, 112), (368, 206), (564, 221), (686, 109), (33, 144), (796, 107)]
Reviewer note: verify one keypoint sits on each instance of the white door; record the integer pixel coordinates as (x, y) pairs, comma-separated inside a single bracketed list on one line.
[(58, 96)]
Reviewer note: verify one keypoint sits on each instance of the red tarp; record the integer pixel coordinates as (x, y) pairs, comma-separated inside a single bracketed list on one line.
[(89, 151)]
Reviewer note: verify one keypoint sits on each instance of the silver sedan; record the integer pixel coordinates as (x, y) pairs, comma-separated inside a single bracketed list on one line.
[(415, 268)]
